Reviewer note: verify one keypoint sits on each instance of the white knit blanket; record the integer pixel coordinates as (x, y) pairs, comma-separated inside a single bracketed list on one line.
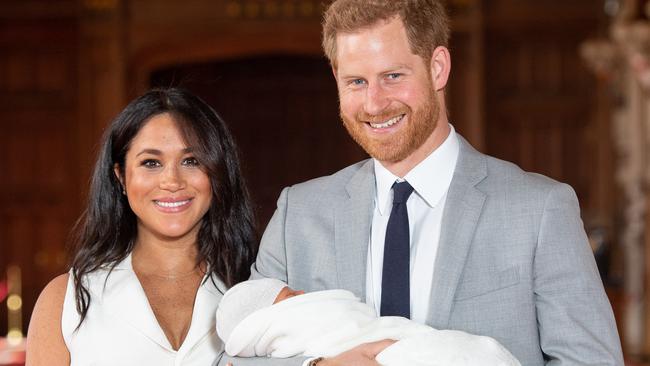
[(326, 323)]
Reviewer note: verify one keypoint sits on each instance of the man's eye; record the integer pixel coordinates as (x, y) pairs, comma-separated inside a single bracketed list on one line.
[(150, 163), (394, 75), (190, 162), (357, 82)]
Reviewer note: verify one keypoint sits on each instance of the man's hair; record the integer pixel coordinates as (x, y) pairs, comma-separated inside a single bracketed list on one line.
[(425, 21)]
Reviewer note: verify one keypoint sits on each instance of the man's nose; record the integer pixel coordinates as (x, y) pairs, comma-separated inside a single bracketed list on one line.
[(376, 99)]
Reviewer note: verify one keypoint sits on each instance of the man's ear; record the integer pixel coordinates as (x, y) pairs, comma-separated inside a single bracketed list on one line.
[(440, 67), (334, 72), (118, 175)]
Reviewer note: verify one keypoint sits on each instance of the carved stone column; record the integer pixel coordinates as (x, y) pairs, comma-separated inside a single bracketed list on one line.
[(622, 61)]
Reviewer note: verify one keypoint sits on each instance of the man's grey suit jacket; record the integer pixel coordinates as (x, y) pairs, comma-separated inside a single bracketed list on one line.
[(513, 261)]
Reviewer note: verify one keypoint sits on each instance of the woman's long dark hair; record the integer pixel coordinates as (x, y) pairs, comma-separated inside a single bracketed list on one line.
[(106, 232)]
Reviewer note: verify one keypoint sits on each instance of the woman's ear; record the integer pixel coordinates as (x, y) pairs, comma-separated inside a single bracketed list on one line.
[(440, 67), (118, 175)]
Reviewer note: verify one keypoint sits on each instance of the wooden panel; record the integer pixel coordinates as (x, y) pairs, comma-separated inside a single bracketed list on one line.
[(464, 91), (40, 9), (206, 13), (38, 114), (283, 112), (37, 157), (539, 95), (554, 16)]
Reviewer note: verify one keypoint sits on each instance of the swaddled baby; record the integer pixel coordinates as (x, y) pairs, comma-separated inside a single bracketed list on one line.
[(266, 318)]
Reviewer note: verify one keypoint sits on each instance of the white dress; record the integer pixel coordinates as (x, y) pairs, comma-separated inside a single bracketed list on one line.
[(121, 329)]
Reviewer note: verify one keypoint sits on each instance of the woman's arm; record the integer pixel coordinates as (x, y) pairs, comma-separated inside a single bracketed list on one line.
[(45, 345)]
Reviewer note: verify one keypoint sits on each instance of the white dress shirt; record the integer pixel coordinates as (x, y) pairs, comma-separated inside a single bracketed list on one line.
[(430, 179)]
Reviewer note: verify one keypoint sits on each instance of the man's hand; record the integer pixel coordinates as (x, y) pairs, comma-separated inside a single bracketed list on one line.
[(362, 355)]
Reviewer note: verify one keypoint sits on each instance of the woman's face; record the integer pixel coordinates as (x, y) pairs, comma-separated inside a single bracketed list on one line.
[(167, 189)]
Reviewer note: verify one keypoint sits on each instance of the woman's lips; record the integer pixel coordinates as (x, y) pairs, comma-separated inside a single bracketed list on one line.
[(169, 205)]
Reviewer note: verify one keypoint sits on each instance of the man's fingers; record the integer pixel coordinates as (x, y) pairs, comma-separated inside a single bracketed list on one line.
[(372, 349)]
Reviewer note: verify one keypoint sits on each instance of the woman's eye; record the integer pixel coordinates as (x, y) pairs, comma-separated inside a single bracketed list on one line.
[(150, 163), (394, 76), (191, 162)]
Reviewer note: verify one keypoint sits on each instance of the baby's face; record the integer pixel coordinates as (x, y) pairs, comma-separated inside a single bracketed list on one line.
[(286, 293)]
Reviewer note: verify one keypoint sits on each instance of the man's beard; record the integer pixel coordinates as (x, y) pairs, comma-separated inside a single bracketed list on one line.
[(419, 126)]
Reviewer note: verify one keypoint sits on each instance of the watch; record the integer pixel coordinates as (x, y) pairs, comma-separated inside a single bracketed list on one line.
[(315, 361)]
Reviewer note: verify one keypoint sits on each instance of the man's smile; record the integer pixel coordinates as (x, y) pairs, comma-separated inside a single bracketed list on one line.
[(387, 123)]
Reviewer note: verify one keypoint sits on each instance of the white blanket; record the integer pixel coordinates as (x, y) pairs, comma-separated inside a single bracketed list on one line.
[(326, 323)]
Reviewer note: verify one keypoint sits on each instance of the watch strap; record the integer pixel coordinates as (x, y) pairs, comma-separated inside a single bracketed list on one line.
[(315, 361)]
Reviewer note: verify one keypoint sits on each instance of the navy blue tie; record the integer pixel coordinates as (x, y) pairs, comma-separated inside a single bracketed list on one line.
[(395, 283)]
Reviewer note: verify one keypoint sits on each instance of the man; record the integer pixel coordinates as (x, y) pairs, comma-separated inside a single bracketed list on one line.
[(490, 249)]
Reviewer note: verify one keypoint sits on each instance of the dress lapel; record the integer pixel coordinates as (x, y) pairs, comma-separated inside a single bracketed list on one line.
[(125, 299), (204, 313), (352, 230), (461, 214)]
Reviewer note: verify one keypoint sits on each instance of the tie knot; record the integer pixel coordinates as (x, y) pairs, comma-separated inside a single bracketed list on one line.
[(401, 192)]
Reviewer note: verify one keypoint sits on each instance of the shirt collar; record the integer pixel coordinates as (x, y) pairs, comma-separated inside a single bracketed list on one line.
[(430, 179)]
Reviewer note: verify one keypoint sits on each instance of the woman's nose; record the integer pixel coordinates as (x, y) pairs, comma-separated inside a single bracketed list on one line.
[(172, 179)]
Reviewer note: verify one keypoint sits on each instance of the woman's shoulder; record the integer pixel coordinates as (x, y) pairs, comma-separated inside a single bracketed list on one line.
[(57, 287), (45, 344), (50, 301)]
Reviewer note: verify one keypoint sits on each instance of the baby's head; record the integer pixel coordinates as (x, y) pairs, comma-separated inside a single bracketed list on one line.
[(246, 298)]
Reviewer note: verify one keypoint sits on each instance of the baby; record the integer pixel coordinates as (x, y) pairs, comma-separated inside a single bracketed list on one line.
[(266, 318)]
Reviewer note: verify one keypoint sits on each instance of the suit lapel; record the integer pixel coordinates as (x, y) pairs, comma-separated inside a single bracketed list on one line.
[(461, 215), (352, 230)]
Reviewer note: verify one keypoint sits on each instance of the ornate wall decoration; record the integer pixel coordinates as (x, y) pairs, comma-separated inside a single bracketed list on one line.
[(622, 61), (274, 9)]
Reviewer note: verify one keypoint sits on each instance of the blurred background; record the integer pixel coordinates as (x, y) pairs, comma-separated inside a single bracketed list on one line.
[(558, 87)]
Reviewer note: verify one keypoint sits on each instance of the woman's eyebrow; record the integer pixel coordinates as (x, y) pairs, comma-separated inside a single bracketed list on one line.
[(158, 152)]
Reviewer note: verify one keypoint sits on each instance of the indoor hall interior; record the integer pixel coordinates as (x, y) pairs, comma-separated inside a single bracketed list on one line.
[(560, 88)]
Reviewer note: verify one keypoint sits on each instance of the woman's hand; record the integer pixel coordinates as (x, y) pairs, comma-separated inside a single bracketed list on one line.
[(362, 355)]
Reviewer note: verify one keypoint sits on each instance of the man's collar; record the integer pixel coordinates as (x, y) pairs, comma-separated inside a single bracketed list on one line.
[(430, 178)]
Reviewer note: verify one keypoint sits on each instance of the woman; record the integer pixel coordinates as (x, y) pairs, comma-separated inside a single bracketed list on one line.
[(167, 229)]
